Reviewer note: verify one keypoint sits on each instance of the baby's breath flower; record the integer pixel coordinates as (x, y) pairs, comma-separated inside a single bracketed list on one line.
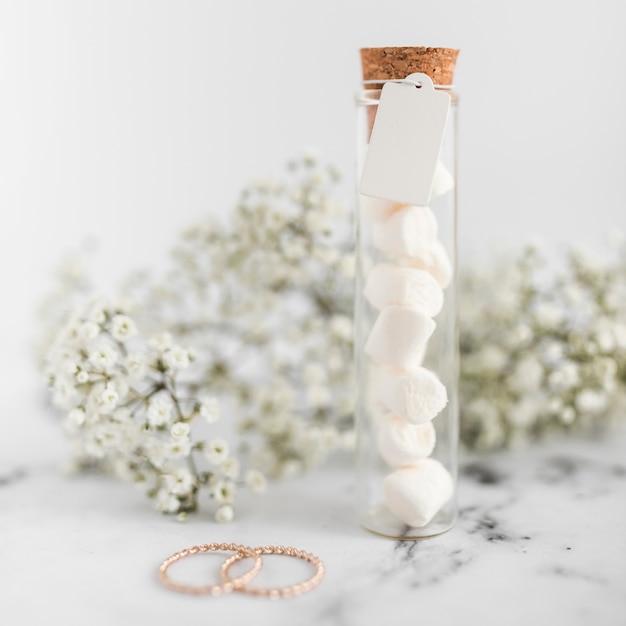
[(159, 411), (103, 356), (552, 352), (327, 256), (161, 341), (564, 377), (491, 358), (122, 415), (96, 313), (108, 399), (123, 328), (256, 481), (224, 491), (230, 468), (136, 364), (217, 450), (548, 315), (178, 447), (225, 513), (177, 358), (527, 375), (519, 336), (67, 365), (555, 405), (567, 415), (155, 451), (88, 331), (210, 409), (314, 373), (166, 502), (315, 221), (591, 401), (180, 482), (75, 419), (335, 360), (320, 178), (341, 327), (525, 412), (179, 429), (294, 250), (318, 395), (82, 377)]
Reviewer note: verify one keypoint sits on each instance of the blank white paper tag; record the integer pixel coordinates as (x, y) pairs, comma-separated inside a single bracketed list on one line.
[(405, 141)]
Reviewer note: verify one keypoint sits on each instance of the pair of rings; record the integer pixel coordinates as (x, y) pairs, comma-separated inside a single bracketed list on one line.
[(240, 583)]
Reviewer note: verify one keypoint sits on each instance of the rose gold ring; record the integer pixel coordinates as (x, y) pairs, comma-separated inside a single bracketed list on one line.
[(275, 592), (242, 552)]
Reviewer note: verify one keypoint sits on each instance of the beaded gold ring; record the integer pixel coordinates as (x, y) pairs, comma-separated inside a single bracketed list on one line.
[(275, 592), (242, 552)]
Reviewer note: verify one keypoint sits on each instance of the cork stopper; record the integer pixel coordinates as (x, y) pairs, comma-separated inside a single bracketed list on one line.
[(398, 63)]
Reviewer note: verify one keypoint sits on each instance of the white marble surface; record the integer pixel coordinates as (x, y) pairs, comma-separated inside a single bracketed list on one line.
[(540, 540)]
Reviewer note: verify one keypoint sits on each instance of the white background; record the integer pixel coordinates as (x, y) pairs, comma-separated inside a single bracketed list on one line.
[(126, 119)]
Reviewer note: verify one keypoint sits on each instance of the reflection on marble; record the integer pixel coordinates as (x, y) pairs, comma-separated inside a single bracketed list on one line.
[(540, 539)]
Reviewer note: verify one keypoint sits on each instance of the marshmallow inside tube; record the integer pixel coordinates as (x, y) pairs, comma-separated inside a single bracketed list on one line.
[(409, 231), (434, 260), (416, 493), (405, 286), (399, 336), (401, 443), (417, 396)]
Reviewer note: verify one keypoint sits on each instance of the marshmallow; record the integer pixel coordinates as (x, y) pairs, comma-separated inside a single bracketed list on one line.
[(434, 260), (401, 443), (405, 286), (407, 232), (417, 396), (415, 494), (443, 181), (399, 337)]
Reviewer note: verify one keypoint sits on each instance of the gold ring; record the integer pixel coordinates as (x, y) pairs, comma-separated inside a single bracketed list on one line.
[(242, 552), (275, 592)]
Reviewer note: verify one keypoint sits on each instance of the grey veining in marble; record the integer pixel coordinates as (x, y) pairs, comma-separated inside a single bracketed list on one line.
[(11, 477)]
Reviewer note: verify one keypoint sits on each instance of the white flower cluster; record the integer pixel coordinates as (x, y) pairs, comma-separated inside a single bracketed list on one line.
[(129, 409), (267, 300), (539, 357)]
